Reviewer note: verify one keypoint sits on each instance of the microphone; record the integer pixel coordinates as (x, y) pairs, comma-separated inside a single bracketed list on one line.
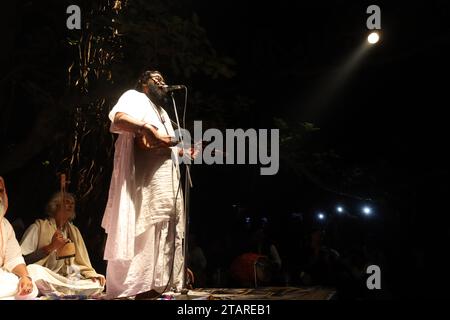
[(167, 88)]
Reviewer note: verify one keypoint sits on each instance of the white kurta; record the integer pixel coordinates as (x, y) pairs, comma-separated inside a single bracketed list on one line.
[(144, 217), (10, 257)]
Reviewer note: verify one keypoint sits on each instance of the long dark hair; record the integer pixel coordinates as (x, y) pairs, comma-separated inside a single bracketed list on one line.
[(144, 78)]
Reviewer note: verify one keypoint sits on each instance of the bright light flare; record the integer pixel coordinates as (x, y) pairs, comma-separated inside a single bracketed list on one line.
[(367, 211), (373, 38)]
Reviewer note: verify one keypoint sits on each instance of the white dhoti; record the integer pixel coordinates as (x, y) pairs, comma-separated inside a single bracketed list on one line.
[(158, 262), (152, 265), (49, 283), (9, 283)]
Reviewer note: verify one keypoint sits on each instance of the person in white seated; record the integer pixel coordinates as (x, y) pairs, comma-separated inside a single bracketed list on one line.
[(15, 282), (43, 245)]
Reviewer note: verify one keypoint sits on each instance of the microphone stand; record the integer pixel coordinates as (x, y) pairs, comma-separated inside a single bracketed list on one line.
[(187, 186)]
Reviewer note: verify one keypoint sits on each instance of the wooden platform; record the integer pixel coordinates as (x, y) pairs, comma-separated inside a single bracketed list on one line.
[(268, 293)]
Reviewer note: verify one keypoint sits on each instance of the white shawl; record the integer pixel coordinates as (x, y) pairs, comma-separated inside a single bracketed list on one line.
[(120, 214)]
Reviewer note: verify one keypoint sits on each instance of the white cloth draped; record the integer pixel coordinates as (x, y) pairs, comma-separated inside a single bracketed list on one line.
[(9, 284), (10, 257), (50, 283), (144, 216), (120, 214)]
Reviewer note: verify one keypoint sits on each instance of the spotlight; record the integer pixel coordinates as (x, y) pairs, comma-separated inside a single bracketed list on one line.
[(340, 209), (321, 216), (367, 210), (373, 38)]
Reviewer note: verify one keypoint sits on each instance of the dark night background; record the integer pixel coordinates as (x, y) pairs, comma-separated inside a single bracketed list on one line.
[(375, 135)]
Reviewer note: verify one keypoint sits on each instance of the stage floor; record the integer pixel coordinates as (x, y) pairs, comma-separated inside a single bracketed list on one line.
[(263, 293), (268, 293)]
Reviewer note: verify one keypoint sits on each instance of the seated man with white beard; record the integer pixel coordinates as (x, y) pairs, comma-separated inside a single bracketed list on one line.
[(15, 282), (56, 255)]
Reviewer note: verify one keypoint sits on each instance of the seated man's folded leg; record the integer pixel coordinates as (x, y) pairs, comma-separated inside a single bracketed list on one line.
[(49, 283), (9, 289), (8, 285)]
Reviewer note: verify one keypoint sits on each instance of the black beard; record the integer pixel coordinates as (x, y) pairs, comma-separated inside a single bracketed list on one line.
[(158, 95)]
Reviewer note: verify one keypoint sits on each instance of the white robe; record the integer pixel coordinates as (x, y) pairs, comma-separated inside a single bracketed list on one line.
[(10, 257), (144, 216)]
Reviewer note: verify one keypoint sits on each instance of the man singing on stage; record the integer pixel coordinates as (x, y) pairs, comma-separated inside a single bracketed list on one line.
[(144, 216)]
